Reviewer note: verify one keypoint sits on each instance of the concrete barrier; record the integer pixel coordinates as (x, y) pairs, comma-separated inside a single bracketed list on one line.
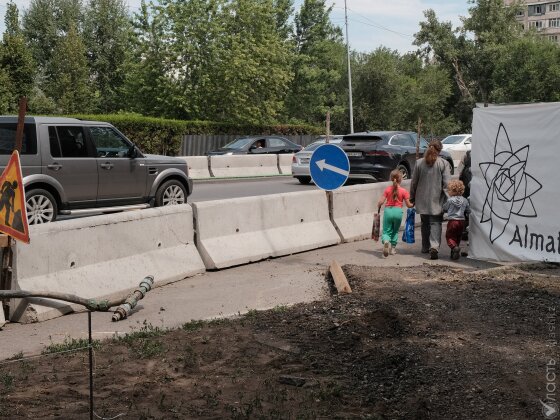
[(254, 228), (353, 209), (198, 166), (285, 163), (103, 256), (244, 165)]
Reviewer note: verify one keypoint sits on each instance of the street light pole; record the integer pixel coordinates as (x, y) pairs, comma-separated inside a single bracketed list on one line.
[(349, 71)]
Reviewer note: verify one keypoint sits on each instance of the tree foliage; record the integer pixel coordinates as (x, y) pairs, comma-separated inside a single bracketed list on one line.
[(264, 62)]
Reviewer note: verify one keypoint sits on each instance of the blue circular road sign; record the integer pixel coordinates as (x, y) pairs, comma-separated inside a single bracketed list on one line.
[(329, 167)]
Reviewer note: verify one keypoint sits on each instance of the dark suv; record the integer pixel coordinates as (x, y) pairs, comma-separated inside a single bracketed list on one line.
[(72, 166), (374, 154)]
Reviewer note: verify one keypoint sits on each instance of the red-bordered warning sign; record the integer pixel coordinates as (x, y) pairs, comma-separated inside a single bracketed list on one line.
[(13, 214)]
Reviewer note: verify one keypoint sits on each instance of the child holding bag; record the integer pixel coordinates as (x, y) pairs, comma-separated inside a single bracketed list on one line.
[(394, 196)]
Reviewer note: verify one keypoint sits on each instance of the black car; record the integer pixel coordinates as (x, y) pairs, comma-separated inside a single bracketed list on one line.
[(374, 154), (257, 145)]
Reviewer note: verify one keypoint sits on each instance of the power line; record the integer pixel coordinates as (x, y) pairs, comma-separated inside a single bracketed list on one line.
[(376, 25)]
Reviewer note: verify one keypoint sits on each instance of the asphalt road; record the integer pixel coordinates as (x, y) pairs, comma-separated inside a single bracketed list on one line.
[(219, 189)]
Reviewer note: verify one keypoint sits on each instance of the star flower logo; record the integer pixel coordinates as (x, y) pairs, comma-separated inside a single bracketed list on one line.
[(510, 188)]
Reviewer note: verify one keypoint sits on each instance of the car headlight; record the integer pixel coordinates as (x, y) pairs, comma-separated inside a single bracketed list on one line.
[(228, 153)]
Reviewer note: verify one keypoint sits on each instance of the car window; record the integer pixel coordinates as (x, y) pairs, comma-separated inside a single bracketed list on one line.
[(108, 143), (364, 138), (410, 140), (238, 143), (453, 139), (8, 139), (276, 142), (67, 141), (258, 144), (401, 140)]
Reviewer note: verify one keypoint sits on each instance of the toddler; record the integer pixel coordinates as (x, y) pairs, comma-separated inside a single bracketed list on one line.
[(458, 209)]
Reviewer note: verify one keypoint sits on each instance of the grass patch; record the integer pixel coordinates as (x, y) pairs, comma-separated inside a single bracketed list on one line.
[(143, 342), (194, 325), (70, 344)]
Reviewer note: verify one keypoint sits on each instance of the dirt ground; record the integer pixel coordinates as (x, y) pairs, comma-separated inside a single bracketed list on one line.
[(423, 342)]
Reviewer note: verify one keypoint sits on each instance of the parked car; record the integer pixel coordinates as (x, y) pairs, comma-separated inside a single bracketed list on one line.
[(374, 154), (457, 145), (70, 166), (300, 161), (257, 145)]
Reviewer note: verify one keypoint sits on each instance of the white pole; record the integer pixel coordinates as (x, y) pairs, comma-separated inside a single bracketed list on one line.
[(349, 72)]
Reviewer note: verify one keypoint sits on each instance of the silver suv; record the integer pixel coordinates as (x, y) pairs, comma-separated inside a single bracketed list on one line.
[(72, 166)]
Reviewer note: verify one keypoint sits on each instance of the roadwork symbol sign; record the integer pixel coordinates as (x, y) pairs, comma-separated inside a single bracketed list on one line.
[(329, 167), (13, 215)]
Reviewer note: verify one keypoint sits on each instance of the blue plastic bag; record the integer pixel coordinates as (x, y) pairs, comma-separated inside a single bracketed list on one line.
[(408, 233)]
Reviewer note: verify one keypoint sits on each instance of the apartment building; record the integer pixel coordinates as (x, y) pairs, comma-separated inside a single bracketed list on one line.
[(542, 15)]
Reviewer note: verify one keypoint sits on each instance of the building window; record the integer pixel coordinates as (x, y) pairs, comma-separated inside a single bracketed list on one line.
[(537, 9), (554, 7), (554, 23), (520, 13), (538, 24), (553, 38)]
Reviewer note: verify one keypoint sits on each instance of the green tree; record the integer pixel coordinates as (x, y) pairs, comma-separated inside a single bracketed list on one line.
[(319, 65), (253, 77), (45, 21), (15, 57), (527, 70), (68, 75), (8, 100), (470, 53), (149, 87), (106, 36)]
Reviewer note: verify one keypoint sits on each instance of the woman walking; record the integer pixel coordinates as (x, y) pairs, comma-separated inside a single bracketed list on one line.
[(428, 192)]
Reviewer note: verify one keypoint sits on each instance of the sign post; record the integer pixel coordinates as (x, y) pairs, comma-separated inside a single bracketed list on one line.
[(329, 167), (13, 214)]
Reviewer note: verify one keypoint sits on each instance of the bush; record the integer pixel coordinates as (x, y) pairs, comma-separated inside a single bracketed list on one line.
[(164, 136)]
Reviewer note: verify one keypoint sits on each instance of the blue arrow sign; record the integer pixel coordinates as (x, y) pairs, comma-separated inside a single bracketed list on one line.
[(329, 167)]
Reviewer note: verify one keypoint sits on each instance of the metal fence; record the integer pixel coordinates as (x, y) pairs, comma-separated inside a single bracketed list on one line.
[(198, 145)]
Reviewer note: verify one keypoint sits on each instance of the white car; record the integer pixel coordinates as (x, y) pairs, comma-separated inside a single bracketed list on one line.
[(300, 161), (457, 145)]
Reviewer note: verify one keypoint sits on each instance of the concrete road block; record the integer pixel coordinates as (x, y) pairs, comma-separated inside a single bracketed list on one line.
[(285, 163), (242, 230), (244, 165), (198, 166), (353, 209), (103, 256)]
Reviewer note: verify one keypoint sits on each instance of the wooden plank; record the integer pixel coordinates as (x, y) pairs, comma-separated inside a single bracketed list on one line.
[(339, 278)]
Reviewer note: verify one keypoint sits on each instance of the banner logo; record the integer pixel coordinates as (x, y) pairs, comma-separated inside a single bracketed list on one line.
[(510, 187)]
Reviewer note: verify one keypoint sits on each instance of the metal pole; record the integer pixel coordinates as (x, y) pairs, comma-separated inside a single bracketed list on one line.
[(90, 368), (349, 72), (328, 126)]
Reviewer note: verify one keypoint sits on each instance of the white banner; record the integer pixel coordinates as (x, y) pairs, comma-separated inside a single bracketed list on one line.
[(515, 190)]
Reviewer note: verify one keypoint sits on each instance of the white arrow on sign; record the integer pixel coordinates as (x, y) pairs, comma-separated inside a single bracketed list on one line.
[(324, 165)]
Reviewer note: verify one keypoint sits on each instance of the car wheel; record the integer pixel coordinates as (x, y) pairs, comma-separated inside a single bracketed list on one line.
[(304, 180), (404, 171), (171, 192), (41, 207)]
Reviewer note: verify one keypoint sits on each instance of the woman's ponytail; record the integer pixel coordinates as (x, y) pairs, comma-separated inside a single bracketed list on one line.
[(432, 152)]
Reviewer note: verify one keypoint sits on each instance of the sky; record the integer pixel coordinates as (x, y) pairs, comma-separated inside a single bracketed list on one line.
[(371, 23)]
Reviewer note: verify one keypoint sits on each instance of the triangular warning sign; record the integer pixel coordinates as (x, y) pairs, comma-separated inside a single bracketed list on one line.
[(13, 214)]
